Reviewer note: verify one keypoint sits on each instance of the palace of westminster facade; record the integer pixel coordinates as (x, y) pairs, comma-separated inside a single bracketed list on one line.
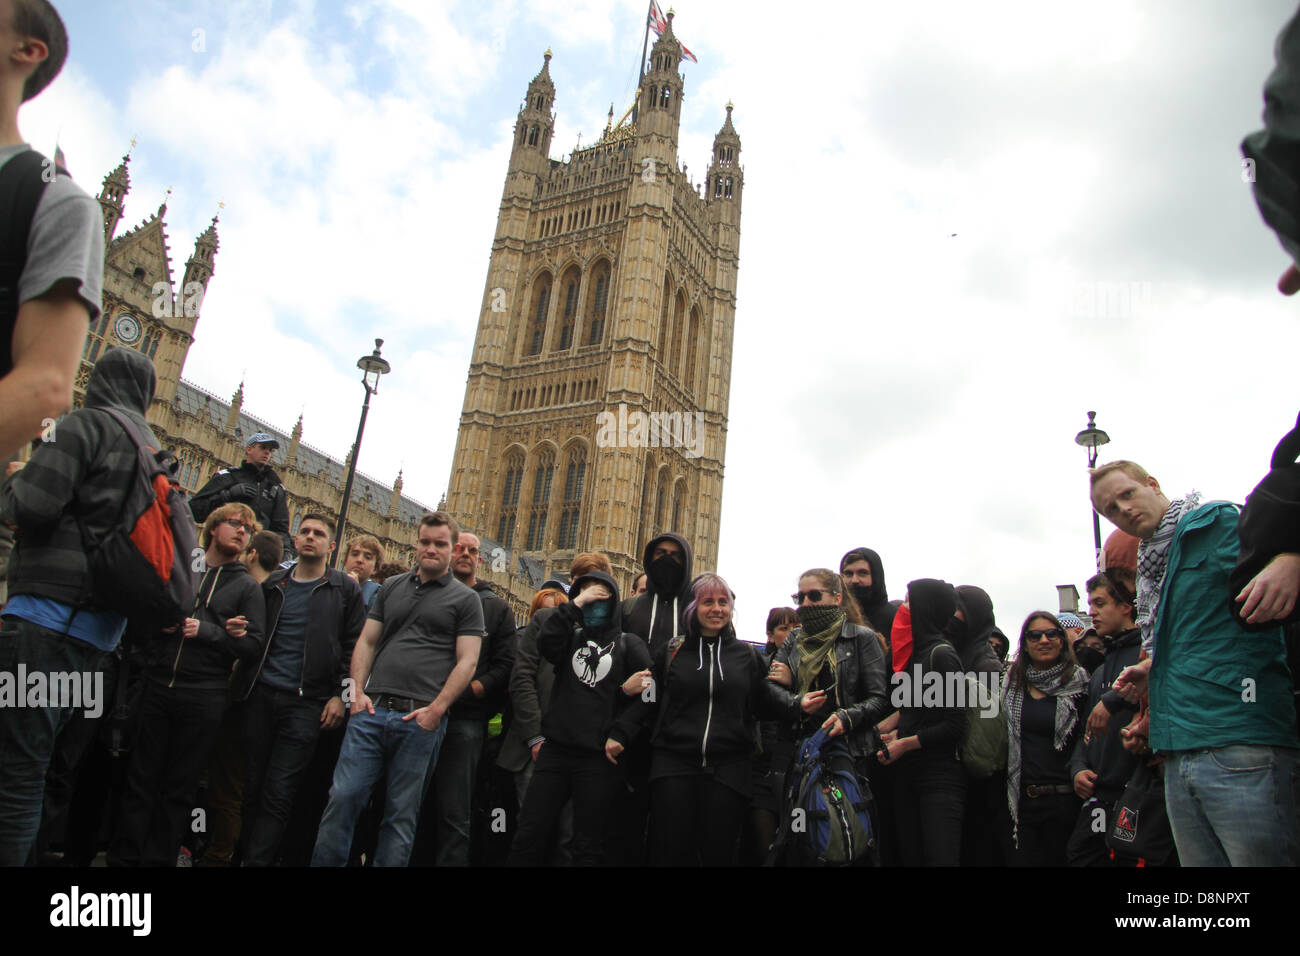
[(611, 290)]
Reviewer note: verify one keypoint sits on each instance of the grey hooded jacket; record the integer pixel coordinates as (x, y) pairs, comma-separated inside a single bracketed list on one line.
[(85, 465)]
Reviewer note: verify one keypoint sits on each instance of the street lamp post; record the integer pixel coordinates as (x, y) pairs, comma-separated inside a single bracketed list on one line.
[(372, 366), (1093, 438)]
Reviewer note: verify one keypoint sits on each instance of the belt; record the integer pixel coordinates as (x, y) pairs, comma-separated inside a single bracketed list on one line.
[(1046, 789), (398, 705)]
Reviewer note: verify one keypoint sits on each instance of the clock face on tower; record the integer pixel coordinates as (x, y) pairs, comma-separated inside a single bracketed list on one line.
[(127, 328)]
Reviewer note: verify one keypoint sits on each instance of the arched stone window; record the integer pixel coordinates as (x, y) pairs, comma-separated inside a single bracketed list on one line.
[(541, 305), (665, 326), (575, 474), (510, 499), (542, 476), (570, 314), (692, 349), (598, 299)]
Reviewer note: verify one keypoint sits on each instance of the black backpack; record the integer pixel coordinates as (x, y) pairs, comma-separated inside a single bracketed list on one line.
[(22, 183)]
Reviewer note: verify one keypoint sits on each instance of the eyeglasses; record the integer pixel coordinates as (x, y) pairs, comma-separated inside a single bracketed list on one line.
[(814, 596), (1034, 636), (236, 523)]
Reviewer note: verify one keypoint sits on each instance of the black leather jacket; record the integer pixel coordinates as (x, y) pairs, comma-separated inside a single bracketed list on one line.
[(862, 678), (335, 616)]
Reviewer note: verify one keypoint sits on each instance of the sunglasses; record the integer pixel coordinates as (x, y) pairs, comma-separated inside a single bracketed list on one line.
[(236, 523), (1034, 636), (814, 595)]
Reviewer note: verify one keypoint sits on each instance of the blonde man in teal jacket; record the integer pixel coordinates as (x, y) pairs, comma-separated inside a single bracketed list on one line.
[(1222, 712)]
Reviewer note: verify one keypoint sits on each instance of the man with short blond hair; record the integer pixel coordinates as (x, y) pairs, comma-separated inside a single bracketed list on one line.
[(1221, 710)]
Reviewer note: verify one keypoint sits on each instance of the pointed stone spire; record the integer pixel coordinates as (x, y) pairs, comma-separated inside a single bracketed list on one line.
[(397, 496), (295, 436), (112, 197), (236, 403), (199, 269)]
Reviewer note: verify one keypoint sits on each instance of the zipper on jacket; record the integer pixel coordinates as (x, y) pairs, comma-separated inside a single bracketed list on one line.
[(177, 662), (270, 633), (306, 634), (708, 717)]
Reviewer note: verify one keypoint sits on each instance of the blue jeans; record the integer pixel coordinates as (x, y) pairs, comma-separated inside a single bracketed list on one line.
[(28, 734), (453, 788), (1234, 806), (378, 743)]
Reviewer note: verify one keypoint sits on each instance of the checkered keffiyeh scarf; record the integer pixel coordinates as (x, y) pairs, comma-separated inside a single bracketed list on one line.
[(1069, 696), (1153, 561)]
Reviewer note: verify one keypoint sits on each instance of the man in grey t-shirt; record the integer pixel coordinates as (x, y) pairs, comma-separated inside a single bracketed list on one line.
[(415, 657), (60, 285)]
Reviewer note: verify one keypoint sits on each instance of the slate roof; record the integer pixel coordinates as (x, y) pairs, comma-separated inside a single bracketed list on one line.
[(192, 400)]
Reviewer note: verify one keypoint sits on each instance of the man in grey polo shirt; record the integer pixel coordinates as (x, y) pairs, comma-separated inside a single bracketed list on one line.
[(415, 657)]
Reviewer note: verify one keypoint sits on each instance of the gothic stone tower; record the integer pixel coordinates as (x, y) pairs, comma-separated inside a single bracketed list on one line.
[(595, 410)]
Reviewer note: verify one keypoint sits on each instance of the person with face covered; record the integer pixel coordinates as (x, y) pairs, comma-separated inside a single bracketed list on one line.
[(656, 617), (864, 576), (986, 827), (930, 783), (1043, 701), (835, 652), (588, 721)]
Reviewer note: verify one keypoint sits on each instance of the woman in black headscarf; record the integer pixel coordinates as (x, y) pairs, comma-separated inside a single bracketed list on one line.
[(930, 785)]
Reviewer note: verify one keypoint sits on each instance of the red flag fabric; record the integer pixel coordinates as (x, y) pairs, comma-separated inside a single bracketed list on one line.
[(900, 638), (658, 22)]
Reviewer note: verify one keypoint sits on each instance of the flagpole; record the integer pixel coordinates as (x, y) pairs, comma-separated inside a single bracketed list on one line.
[(640, 73)]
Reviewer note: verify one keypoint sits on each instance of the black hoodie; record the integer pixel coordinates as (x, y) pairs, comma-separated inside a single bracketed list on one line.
[(587, 704), (971, 639), (87, 464), (205, 662), (877, 608), (938, 729), (710, 693), (656, 615), (1105, 753)]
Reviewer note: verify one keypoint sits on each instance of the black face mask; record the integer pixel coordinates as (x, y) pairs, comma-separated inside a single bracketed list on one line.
[(1089, 657), (862, 593), (666, 574)]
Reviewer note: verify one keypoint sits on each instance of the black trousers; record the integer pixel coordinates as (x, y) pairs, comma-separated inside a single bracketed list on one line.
[(929, 802), (695, 820), (178, 729), (561, 774), (1044, 829), (280, 734), (299, 837)]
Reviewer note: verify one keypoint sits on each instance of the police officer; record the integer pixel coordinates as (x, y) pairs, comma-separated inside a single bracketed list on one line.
[(255, 484)]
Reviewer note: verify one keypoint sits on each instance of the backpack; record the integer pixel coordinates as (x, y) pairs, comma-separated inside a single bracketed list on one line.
[(22, 183), (828, 809), (983, 747), (142, 567)]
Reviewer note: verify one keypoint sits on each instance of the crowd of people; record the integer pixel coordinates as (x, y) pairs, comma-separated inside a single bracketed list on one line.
[(390, 716), (289, 713)]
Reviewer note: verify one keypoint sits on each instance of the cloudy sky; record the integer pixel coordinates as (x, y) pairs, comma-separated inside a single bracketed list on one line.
[(965, 225)]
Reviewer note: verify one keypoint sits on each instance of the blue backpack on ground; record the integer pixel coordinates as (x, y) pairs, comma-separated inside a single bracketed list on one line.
[(828, 809)]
